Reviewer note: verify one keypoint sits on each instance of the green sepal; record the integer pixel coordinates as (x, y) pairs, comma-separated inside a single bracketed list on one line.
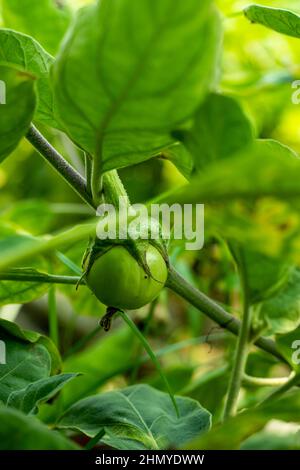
[(137, 249)]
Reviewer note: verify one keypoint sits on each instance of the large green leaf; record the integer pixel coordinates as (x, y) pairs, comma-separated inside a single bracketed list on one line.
[(29, 358), (45, 20), (130, 71), (16, 109), (280, 20), (138, 417), (213, 138), (27, 399), (23, 52), (235, 430), (281, 313), (21, 432)]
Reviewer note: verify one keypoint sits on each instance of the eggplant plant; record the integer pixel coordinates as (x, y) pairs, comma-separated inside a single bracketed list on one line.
[(148, 101)]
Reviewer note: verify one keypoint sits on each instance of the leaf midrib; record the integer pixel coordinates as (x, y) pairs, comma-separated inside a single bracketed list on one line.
[(136, 411)]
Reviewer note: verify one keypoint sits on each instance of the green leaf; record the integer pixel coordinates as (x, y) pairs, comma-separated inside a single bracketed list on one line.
[(21, 432), (21, 291), (180, 157), (130, 71), (17, 248), (32, 215), (281, 313), (280, 20), (212, 138), (27, 399), (129, 424), (235, 430), (266, 168), (45, 20), (17, 106), (29, 357), (24, 53)]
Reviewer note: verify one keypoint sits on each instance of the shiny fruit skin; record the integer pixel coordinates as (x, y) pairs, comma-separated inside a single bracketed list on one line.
[(119, 281)]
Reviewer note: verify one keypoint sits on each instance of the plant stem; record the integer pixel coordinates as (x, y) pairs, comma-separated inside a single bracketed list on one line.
[(88, 172), (40, 277), (71, 176), (214, 311), (243, 343), (239, 366), (94, 441), (112, 185), (53, 321), (113, 189), (265, 381), (293, 381)]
